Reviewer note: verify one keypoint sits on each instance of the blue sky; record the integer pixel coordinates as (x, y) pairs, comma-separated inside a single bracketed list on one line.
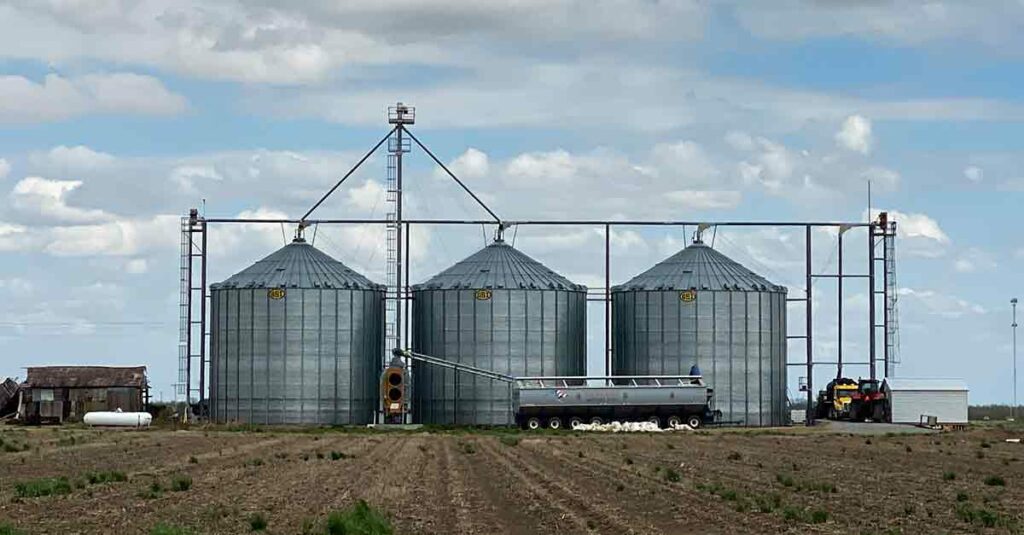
[(116, 116)]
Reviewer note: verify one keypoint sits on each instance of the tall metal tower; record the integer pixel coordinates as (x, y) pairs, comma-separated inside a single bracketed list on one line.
[(398, 144)]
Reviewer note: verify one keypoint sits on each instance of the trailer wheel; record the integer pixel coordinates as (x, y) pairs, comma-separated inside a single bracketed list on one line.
[(655, 420), (694, 421), (596, 420), (673, 421), (533, 424), (575, 422), (555, 423)]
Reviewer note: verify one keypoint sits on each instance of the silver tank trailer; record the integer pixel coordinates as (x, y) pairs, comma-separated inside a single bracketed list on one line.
[(698, 307), (499, 310), (296, 338)]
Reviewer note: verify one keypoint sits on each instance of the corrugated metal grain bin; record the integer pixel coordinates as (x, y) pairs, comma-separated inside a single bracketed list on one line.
[(501, 310), (910, 399), (296, 338), (700, 307)]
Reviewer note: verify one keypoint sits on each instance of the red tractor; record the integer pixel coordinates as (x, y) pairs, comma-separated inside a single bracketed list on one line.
[(868, 402)]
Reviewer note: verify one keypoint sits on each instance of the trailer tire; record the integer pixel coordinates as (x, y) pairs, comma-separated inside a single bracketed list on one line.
[(555, 423), (694, 421), (575, 422), (596, 420), (533, 423), (673, 422), (654, 420)]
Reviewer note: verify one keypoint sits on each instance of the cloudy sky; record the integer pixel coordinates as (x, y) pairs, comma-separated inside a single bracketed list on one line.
[(116, 116)]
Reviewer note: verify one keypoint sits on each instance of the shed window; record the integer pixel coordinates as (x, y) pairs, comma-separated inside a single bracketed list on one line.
[(45, 394)]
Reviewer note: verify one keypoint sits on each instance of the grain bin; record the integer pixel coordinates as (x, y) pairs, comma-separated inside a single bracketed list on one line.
[(296, 338), (501, 310), (700, 307)]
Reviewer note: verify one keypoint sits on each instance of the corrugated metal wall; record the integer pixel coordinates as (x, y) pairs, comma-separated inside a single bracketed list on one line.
[(310, 357), (949, 406), (516, 332), (737, 338)]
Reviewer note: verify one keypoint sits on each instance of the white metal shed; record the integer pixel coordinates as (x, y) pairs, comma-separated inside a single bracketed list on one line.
[(909, 399)]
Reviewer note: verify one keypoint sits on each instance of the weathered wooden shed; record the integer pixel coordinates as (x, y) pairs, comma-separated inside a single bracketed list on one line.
[(55, 394)]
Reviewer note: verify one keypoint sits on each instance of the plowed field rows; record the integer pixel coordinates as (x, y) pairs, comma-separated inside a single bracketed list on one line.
[(787, 481)]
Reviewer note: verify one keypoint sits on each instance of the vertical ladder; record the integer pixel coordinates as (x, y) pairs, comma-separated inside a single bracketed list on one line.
[(892, 328), (192, 357), (392, 296), (184, 310)]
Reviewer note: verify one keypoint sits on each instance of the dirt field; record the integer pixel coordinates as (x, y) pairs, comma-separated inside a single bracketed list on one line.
[(786, 481)]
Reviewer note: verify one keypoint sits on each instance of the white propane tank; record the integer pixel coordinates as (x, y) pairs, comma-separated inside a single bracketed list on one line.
[(118, 419)]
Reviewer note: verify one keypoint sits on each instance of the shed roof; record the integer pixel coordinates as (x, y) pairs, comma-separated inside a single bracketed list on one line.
[(702, 268), (907, 383), (499, 266), (86, 377)]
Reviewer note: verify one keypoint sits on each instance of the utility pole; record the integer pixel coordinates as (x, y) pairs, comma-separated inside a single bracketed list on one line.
[(1013, 326)]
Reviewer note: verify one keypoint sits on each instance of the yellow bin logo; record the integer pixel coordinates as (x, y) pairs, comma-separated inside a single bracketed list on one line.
[(483, 295), (688, 296), (276, 293)]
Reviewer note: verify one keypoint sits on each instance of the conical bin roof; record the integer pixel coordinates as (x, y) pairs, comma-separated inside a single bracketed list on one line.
[(298, 265), (702, 268), (499, 266)]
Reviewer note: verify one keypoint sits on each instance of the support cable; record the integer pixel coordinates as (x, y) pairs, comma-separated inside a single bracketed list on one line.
[(348, 174), (455, 178)]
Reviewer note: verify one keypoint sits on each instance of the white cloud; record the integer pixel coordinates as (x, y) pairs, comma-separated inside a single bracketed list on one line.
[(136, 266), (5, 168), (39, 196), (911, 23), (974, 173), (855, 134), (471, 164), (57, 98), (881, 176), (919, 234), (186, 176), (973, 260), (557, 165), (938, 303), (704, 200), (308, 42), (368, 196)]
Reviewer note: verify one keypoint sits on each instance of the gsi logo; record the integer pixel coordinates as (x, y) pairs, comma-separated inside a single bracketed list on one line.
[(688, 296), (276, 293)]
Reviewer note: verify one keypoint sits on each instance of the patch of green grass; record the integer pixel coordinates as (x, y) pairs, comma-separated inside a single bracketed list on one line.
[(467, 448), (259, 462), (629, 460), (181, 483), (99, 478), (360, 519), (37, 488), (819, 516), (962, 496), (995, 481), (509, 440), (672, 476), (784, 480), (193, 460), (766, 503), (948, 476), (7, 529), (984, 517), (793, 514), (258, 522), (337, 456), (154, 491), (169, 529)]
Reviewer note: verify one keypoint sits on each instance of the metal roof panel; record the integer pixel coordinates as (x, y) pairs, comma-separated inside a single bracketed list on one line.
[(702, 268), (298, 265), (499, 266)]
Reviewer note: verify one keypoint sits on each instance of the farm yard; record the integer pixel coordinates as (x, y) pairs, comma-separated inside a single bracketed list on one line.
[(77, 480)]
